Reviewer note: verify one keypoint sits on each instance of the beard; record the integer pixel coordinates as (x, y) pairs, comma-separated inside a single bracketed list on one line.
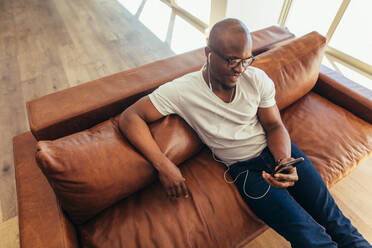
[(224, 81), (227, 87)]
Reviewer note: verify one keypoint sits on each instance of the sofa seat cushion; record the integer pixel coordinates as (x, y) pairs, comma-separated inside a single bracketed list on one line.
[(213, 216), (93, 169), (334, 139)]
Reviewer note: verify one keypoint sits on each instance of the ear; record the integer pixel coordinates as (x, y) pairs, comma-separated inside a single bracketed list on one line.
[(207, 51)]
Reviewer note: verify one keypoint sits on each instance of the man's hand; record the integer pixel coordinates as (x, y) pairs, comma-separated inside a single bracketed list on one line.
[(133, 124), (173, 181), (281, 180)]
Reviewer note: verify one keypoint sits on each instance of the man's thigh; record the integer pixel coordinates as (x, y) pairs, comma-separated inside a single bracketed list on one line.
[(278, 209)]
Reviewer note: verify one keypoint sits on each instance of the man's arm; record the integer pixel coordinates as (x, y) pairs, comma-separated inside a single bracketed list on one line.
[(133, 124), (279, 144)]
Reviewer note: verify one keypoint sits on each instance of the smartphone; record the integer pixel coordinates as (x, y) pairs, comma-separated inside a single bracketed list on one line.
[(283, 168)]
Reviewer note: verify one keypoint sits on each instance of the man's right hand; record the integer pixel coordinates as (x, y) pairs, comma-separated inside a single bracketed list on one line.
[(173, 181), (133, 124)]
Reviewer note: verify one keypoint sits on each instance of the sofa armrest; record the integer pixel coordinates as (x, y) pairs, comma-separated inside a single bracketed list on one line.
[(345, 93), (81, 107), (41, 220)]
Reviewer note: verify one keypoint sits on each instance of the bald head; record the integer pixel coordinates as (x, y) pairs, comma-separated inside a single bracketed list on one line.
[(226, 31)]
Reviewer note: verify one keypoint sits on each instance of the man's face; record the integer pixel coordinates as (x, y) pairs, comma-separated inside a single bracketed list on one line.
[(231, 48)]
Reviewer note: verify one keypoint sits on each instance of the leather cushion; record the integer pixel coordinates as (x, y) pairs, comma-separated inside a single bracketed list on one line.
[(293, 66), (214, 215), (93, 169), (334, 139)]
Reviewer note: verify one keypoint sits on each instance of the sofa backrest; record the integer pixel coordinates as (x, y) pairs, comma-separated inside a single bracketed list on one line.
[(81, 107), (294, 67)]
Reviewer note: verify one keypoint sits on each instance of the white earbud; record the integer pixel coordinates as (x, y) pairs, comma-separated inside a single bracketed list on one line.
[(209, 57)]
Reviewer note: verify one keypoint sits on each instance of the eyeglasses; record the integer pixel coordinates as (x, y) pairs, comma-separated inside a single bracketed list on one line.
[(235, 62)]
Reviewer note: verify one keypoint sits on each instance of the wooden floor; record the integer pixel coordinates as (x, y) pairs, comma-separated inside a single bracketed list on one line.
[(49, 45)]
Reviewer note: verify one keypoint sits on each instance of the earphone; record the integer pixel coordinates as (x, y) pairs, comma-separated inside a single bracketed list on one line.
[(228, 167)]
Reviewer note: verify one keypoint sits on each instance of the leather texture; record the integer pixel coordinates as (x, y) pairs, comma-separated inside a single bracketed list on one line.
[(91, 170), (213, 216), (294, 67), (88, 104), (335, 140), (268, 38), (344, 92), (41, 220)]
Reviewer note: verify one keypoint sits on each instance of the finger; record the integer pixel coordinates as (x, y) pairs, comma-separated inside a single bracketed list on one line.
[(284, 170), (274, 182), (286, 160), (287, 184), (185, 191), (290, 176), (286, 177), (172, 192), (178, 190), (270, 180), (279, 184)]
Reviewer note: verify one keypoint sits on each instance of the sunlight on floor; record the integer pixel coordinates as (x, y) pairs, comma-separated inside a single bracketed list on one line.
[(180, 35)]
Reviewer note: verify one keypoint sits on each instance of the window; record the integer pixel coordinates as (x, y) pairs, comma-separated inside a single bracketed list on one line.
[(353, 35), (306, 16)]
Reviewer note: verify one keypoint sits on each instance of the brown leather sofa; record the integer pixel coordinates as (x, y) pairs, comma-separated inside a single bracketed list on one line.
[(327, 115)]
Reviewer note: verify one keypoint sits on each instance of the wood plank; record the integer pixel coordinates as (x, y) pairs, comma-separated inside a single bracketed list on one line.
[(46, 46), (12, 122), (1, 214), (353, 195), (75, 70), (9, 233), (269, 239)]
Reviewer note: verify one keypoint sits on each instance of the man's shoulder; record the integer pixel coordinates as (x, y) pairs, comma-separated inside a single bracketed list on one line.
[(257, 76), (189, 77), (190, 80), (254, 72)]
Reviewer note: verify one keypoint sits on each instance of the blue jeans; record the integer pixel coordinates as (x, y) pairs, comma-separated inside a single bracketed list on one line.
[(305, 214)]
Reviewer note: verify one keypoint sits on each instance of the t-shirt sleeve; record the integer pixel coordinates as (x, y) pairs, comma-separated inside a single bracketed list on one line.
[(166, 98), (267, 91)]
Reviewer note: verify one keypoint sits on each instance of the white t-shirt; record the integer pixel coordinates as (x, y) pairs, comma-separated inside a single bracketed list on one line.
[(231, 130)]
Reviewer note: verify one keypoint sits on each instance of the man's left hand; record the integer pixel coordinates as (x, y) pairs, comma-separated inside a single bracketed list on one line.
[(281, 180)]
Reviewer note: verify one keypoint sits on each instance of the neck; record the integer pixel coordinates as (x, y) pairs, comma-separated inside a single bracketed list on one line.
[(225, 93), (214, 83)]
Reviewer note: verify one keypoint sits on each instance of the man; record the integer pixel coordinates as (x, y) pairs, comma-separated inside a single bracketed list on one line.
[(231, 105)]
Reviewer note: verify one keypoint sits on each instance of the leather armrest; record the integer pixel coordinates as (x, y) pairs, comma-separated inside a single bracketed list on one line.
[(345, 93), (41, 220), (81, 107)]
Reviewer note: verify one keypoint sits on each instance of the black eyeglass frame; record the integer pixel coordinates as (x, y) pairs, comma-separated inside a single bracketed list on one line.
[(231, 62)]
